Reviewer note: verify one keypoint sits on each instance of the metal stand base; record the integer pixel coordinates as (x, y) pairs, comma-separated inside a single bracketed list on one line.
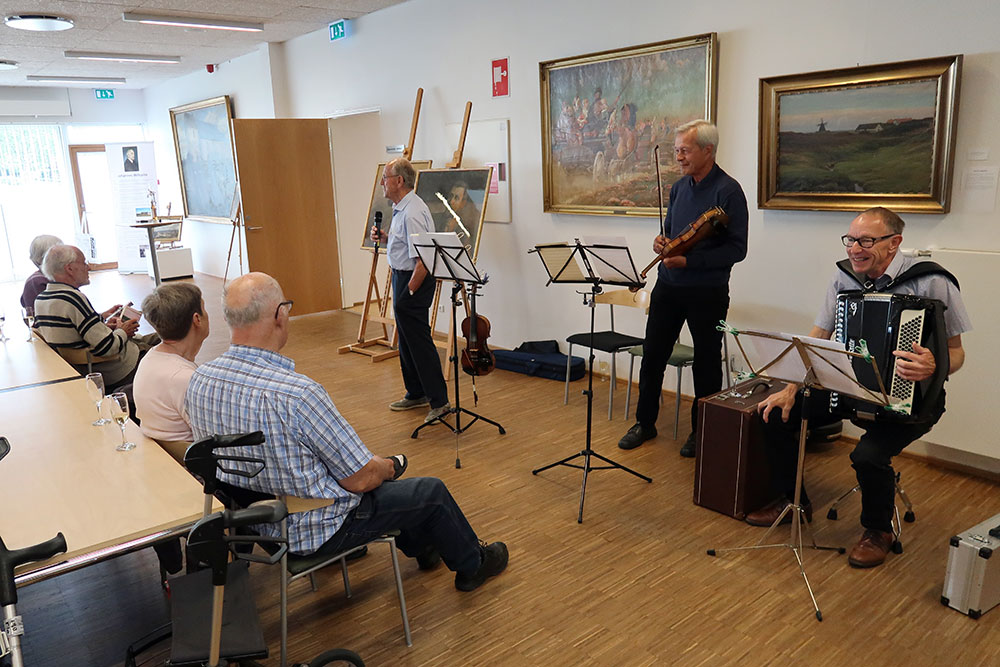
[(798, 519)]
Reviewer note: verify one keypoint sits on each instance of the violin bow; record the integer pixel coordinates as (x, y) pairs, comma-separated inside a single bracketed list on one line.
[(659, 188)]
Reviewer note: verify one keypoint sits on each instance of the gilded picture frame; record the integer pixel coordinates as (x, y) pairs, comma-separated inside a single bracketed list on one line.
[(604, 113), (853, 138), (380, 203), (206, 159), (457, 200)]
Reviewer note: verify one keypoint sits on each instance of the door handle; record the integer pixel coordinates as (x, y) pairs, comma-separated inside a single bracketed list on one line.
[(253, 229)]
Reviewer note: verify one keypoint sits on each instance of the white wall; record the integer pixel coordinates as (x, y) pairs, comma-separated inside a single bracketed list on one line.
[(445, 46), (128, 107)]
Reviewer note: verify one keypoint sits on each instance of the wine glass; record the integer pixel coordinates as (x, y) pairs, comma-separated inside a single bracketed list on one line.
[(95, 389), (119, 412), (28, 315)]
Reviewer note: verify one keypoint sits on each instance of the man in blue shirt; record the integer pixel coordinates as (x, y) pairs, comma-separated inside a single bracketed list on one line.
[(312, 452), (412, 293), (872, 242), (694, 287)]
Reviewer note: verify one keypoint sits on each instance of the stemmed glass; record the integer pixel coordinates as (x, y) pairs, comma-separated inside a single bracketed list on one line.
[(119, 412), (3, 338), (28, 315), (95, 389)]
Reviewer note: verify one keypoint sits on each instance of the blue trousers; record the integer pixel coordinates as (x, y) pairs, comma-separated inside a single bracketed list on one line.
[(418, 356), (425, 514)]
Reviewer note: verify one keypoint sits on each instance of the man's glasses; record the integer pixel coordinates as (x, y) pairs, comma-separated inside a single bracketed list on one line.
[(283, 303), (864, 241)]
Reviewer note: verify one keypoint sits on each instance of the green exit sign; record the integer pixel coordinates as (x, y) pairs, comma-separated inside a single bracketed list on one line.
[(339, 29), (104, 93)]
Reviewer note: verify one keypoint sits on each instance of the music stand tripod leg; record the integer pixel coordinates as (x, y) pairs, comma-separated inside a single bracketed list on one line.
[(798, 517)]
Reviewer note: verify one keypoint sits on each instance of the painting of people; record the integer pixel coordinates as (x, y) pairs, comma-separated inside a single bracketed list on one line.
[(457, 201), (604, 114)]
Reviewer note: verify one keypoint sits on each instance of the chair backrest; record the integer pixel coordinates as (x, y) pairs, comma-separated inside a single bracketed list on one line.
[(76, 356), (624, 297), (175, 448)]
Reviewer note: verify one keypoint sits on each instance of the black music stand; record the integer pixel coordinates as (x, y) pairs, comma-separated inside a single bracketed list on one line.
[(566, 263), (446, 258), (815, 364)]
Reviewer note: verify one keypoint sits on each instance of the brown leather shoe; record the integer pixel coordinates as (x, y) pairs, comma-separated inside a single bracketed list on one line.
[(769, 513), (871, 549)]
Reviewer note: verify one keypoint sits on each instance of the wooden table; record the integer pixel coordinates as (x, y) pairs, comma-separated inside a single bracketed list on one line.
[(63, 474), (24, 364)]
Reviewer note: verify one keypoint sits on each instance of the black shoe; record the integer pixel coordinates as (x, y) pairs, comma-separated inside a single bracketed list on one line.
[(494, 562), (637, 435), (428, 559), (688, 448)]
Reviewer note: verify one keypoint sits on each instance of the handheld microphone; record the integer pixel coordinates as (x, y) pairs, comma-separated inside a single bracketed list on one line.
[(378, 228)]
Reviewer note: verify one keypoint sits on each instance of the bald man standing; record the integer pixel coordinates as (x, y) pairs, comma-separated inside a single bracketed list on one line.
[(312, 452)]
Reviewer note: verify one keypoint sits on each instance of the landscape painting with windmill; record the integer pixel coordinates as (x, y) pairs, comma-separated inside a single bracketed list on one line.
[(876, 138), (603, 115)]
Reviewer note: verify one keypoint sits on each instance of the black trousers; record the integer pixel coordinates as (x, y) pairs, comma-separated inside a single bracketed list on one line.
[(670, 307), (871, 458), (418, 356)]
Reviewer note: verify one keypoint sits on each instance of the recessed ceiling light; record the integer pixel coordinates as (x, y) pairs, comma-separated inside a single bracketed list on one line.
[(75, 79), (38, 22), (7, 64), (192, 22), (121, 57)]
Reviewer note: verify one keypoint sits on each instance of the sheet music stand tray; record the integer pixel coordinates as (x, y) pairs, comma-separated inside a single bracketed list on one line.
[(446, 258), (575, 263), (815, 364)]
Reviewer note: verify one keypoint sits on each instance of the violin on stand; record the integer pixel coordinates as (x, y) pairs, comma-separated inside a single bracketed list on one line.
[(477, 359)]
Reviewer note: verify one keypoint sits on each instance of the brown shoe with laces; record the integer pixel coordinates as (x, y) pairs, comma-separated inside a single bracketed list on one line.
[(871, 549), (769, 513)]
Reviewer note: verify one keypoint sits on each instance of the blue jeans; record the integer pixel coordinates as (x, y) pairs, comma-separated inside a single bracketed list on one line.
[(424, 513)]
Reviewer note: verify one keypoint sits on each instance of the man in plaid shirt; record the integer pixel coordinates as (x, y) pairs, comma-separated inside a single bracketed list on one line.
[(312, 452)]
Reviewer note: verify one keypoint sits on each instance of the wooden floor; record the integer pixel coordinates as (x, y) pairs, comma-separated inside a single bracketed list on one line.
[(632, 585)]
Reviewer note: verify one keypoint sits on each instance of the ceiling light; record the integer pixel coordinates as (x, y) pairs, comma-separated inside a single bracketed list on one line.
[(192, 22), (76, 79), (7, 64), (121, 57), (38, 22)]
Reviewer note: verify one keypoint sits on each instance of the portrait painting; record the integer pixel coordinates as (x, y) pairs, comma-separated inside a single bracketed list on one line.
[(457, 201), (130, 159), (879, 135), (380, 203), (204, 143), (603, 114)]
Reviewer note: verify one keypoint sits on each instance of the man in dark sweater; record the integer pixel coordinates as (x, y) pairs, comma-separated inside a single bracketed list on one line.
[(694, 287)]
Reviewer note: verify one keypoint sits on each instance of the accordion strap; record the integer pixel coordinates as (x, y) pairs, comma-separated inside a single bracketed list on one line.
[(917, 270)]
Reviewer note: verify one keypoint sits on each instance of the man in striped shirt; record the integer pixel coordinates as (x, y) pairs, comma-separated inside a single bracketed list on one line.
[(66, 319), (312, 452)]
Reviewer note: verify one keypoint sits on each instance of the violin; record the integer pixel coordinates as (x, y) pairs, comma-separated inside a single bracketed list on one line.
[(477, 359), (711, 222)]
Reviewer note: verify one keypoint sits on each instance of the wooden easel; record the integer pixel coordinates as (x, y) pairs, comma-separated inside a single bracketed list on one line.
[(236, 218), (447, 345), (382, 347)]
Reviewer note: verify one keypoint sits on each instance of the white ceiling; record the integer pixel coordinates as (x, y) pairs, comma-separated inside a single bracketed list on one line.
[(99, 27)]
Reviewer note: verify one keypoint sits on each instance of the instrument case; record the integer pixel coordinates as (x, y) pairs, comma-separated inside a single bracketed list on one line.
[(731, 467), (972, 578)]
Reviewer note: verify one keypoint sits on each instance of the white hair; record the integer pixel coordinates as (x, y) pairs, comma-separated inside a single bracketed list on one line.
[(40, 245), (256, 300), (57, 258), (706, 133)]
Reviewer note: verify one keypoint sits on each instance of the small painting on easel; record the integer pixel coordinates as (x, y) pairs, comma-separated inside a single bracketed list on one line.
[(457, 201), (380, 203)]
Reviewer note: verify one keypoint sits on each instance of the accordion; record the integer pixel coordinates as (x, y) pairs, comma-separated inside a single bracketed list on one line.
[(889, 322)]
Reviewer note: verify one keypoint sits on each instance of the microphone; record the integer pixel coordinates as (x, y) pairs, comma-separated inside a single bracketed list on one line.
[(378, 228)]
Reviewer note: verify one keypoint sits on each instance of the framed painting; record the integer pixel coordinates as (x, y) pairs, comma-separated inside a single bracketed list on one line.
[(850, 139), (457, 200), (603, 114), (203, 140), (380, 203)]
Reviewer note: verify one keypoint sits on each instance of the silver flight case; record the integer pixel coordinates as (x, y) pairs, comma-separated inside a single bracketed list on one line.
[(972, 579)]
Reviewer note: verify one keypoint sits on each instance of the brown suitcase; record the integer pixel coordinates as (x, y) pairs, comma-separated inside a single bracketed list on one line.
[(731, 468)]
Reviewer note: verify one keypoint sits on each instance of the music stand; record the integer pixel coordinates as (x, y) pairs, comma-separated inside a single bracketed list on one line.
[(566, 263), (815, 364), (446, 258)]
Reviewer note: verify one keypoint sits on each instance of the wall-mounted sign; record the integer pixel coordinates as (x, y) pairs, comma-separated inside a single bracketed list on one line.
[(339, 29), (104, 93), (499, 69)]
